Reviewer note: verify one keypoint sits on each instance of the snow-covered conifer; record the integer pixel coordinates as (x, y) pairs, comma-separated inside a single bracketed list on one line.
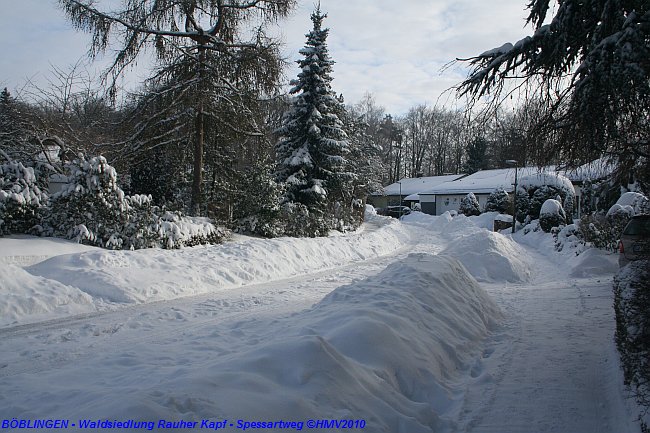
[(476, 155), (93, 209), (469, 205), (20, 197), (313, 148), (498, 201)]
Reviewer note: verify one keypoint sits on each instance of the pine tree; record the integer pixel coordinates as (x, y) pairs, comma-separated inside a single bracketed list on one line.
[(312, 151), (476, 156), (498, 201), (469, 205), (187, 37)]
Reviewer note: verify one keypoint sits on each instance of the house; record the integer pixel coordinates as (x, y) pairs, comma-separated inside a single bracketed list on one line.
[(405, 191), (447, 196)]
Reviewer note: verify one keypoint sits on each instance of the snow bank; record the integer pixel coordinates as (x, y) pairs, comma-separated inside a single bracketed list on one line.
[(24, 250), (128, 277), (491, 257), (25, 295), (593, 262), (488, 256), (387, 350)]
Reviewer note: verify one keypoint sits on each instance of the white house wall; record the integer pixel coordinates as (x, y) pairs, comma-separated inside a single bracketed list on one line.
[(449, 202)]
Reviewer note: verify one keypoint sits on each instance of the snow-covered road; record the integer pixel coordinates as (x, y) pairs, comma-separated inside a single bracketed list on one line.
[(393, 335)]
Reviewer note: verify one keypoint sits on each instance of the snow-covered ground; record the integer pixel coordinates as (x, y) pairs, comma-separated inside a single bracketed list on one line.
[(432, 324)]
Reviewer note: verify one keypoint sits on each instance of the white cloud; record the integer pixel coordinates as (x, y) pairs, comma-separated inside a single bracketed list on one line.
[(393, 49)]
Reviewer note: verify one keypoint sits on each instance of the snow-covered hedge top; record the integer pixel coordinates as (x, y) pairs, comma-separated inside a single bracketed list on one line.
[(550, 179), (18, 184), (504, 218), (551, 207), (632, 203)]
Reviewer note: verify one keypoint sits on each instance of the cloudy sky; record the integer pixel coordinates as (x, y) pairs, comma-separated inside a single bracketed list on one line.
[(394, 49)]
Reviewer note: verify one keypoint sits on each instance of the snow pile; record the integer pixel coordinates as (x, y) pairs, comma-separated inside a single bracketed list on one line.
[(25, 250), (128, 277), (489, 256), (379, 350), (593, 262), (25, 295)]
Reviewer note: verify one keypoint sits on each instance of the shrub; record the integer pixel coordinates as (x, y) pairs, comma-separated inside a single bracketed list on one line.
[(297, 221), (551, 215), (523, 206), (20, 198), (545, 186), (498, 201), (568, 237), (603, 231), (93, 209), (632, 308), (469, 205)]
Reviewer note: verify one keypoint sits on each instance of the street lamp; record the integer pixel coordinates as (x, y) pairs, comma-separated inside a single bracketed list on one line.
[(400, 199), (513, 162)]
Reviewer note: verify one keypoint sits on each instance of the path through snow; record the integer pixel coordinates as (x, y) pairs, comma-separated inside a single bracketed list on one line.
[(553, 367)]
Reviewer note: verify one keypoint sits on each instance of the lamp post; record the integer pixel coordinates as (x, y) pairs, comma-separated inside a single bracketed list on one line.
[(513, 162), (400, 199)]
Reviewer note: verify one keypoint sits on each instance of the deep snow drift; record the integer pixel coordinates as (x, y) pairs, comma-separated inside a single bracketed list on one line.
[(62, 284), (489, 256), (377, 349)]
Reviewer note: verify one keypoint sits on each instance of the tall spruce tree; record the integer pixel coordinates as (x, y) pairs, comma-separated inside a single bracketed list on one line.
[(312, 150), (476, 155)]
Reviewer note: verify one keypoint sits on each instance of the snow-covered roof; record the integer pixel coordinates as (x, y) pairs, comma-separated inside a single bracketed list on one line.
[(593, 170), (482, 182), (417, 184), (412, 197)]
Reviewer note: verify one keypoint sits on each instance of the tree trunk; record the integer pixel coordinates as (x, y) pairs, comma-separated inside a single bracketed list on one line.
[(197, 179)]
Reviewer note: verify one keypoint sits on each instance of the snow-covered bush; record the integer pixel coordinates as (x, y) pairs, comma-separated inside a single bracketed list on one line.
[(93, 209), (544, 186), (604, 231), (631, 203), (498, 201), (551, 215), (257, 204), (632, 307), (173, 230), (469, 205), (523, 206), (568, 238), (297, 221), (20, 198)]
